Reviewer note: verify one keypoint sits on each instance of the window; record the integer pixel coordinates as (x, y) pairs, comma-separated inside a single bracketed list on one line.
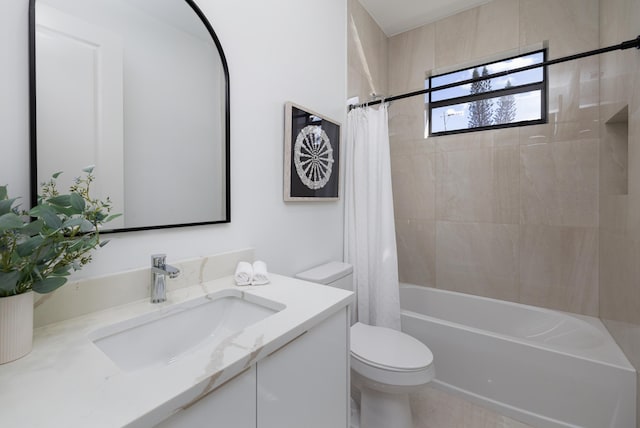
[(515, 99)]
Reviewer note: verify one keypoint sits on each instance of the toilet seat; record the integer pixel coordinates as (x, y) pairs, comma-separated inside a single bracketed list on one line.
[(389, 360), (388, 349), (390, 357)]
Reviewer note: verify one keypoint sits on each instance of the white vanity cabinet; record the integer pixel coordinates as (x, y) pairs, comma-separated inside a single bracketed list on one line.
[(231, 405), (304, 383), (289, 369)]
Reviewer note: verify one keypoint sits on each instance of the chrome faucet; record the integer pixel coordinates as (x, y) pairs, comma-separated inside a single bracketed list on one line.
[(159, 271)]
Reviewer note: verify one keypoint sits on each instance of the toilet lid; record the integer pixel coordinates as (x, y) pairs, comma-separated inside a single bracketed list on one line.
[(387, 348)]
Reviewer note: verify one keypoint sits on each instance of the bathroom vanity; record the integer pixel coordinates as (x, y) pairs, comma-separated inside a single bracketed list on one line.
[(278, 356)]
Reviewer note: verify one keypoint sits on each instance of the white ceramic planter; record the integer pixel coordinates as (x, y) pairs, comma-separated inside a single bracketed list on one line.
[(16, 326)]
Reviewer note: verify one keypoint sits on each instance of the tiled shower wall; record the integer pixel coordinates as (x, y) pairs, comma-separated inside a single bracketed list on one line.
[(512, 213), (366, 54), (547, 215), (540, 214), (620, 178)]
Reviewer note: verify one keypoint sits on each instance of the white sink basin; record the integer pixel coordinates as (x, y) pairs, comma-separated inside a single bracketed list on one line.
[(163, 336)]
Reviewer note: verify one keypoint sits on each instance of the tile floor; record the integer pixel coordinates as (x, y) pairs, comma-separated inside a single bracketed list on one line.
[(433, 408)]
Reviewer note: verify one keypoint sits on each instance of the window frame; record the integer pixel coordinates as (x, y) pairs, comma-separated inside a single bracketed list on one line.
[(542, 86)]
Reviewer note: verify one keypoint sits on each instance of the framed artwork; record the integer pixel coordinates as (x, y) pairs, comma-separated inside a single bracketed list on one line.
[(311, 155)]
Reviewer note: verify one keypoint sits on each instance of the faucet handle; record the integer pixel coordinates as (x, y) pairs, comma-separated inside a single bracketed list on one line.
[(158, 260)]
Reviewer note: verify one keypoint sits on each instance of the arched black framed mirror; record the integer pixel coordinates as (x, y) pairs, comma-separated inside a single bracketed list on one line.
[(140, 89)]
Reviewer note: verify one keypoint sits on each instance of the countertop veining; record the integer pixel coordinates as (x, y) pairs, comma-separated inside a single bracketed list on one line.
[(67, 381)]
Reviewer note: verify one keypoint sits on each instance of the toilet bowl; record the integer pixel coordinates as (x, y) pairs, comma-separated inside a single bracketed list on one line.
[(386, 365)]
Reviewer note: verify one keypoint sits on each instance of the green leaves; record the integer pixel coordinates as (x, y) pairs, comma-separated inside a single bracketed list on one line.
[(39, 248), (29, 246), (75, 222), (69, 205), (61, 200), (77, 202), (48, 285), (10, 221), (6, 204), (111, 217), (33, 228), (48, 214), (8, 282)]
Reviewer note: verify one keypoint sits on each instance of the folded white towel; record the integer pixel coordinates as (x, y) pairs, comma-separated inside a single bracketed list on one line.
[(260, 275), (244, 273)]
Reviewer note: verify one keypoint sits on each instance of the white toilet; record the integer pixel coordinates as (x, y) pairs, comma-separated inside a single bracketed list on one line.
[(386, 365)]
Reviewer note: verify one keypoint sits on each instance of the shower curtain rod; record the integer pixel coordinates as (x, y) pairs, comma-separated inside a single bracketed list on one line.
[(633, 43)]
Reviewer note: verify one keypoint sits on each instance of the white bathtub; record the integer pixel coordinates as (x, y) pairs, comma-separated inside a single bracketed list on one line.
[(542, 367)]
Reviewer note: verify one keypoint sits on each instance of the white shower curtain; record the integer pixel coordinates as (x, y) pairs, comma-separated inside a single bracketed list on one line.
[(369, 238)]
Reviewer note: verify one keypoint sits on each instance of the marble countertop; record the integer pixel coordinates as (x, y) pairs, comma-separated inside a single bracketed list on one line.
[(67, 381)]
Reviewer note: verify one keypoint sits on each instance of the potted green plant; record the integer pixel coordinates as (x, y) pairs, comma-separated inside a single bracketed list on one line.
[(39, 248)]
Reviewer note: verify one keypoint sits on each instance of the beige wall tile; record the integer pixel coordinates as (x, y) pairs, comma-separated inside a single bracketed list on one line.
[(411, 59), (407, 119), (546, 174), (570, 26), (559, 268), (419, 146), (634, 89), (478, 258), (614, 158), (559, 183), (478, 185), (416, 240), (614, 212), (619, 277), (473, 34), (616, 74), (620, 214), (573, 93), (633, 161), (478, 140), (414, 181), (618, 21), (367, 58), (559, 131)]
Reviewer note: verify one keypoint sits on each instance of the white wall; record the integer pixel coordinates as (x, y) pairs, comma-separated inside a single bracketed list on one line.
[(277, 51)]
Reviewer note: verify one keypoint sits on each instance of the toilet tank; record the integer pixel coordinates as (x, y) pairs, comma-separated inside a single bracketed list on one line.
[(335, 274)]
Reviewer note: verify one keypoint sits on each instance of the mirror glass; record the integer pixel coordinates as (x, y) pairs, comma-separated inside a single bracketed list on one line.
[(138, 88)]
